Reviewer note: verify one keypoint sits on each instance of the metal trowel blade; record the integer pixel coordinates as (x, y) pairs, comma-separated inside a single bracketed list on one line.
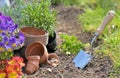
[(82, 59)]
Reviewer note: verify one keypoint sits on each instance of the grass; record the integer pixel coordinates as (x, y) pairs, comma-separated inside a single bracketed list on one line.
[(89, 20), (73, 2)]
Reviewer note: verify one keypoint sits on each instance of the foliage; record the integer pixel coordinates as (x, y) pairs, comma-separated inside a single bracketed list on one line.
[(70, 45), (106, 4), (79, 3), (40, 15), (111, 47), (14, 10), (56, 2), (11, 68)]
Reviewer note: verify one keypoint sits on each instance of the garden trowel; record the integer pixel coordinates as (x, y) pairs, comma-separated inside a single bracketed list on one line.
[(83, 58)]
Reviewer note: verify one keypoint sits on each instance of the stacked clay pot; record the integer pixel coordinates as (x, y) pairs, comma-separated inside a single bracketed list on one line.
[(36, 53), (32, 64), (37, 48)]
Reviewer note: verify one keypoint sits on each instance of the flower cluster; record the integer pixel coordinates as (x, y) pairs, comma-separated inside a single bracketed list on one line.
[(12, 68), (10, 37)]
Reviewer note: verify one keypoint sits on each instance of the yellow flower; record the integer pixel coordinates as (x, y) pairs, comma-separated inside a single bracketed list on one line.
[(11, 62), (0, 31), (2, 49), (9, 50), (13, 75), (2, 75), (13, 45)]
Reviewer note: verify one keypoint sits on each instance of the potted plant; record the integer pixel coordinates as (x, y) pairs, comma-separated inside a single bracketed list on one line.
[(40, 15)]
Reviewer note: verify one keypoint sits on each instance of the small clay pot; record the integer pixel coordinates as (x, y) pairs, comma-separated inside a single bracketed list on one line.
[(31, 67), (34, 34), (32, 64), (37, 48), (53, 59)]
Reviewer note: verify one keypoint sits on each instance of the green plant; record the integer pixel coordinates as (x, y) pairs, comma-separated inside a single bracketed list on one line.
[(106, 4), (40, 15), (56, 2), (111, 47), (72, 2), (70, 45)]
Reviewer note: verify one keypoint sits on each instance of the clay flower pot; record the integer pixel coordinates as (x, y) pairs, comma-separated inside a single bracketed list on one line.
[(37, 48), (53, 59), (32, 64), (34, 34)]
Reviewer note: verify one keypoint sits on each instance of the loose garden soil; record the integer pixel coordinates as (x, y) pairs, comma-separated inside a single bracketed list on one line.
[(68, 23)]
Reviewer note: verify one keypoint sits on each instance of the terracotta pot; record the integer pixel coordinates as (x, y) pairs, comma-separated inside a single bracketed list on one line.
[(32, 64), (37, 48), (34, 34), (34, 57), (53, 59), (31, 67)]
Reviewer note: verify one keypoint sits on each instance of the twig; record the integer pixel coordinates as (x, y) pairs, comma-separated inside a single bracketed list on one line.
[(60, 74)]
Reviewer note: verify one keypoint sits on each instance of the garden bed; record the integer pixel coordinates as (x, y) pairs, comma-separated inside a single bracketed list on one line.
[(99, 67)]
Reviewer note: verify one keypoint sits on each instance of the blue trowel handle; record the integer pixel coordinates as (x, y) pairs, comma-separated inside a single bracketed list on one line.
[(107, 19)]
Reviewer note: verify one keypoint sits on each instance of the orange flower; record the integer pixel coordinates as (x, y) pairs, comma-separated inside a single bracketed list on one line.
[(18, 60), (13, 68), (9, 68)]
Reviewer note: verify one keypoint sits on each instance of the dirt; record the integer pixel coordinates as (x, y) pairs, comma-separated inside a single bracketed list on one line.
[(67, 21)]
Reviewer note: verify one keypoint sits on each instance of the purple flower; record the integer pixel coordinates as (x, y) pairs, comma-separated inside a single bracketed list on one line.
[(1, 44), (1, 47), (3, 34), (12, 28), (9, 21), (3, 25), (21, 37), (12, 40), (8, 48), (0, 13), (9, 38), (5, 40)]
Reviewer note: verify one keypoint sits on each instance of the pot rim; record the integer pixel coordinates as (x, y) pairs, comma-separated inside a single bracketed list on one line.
[(54, 56), (39, 43), (45, 32), (34, 57)]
